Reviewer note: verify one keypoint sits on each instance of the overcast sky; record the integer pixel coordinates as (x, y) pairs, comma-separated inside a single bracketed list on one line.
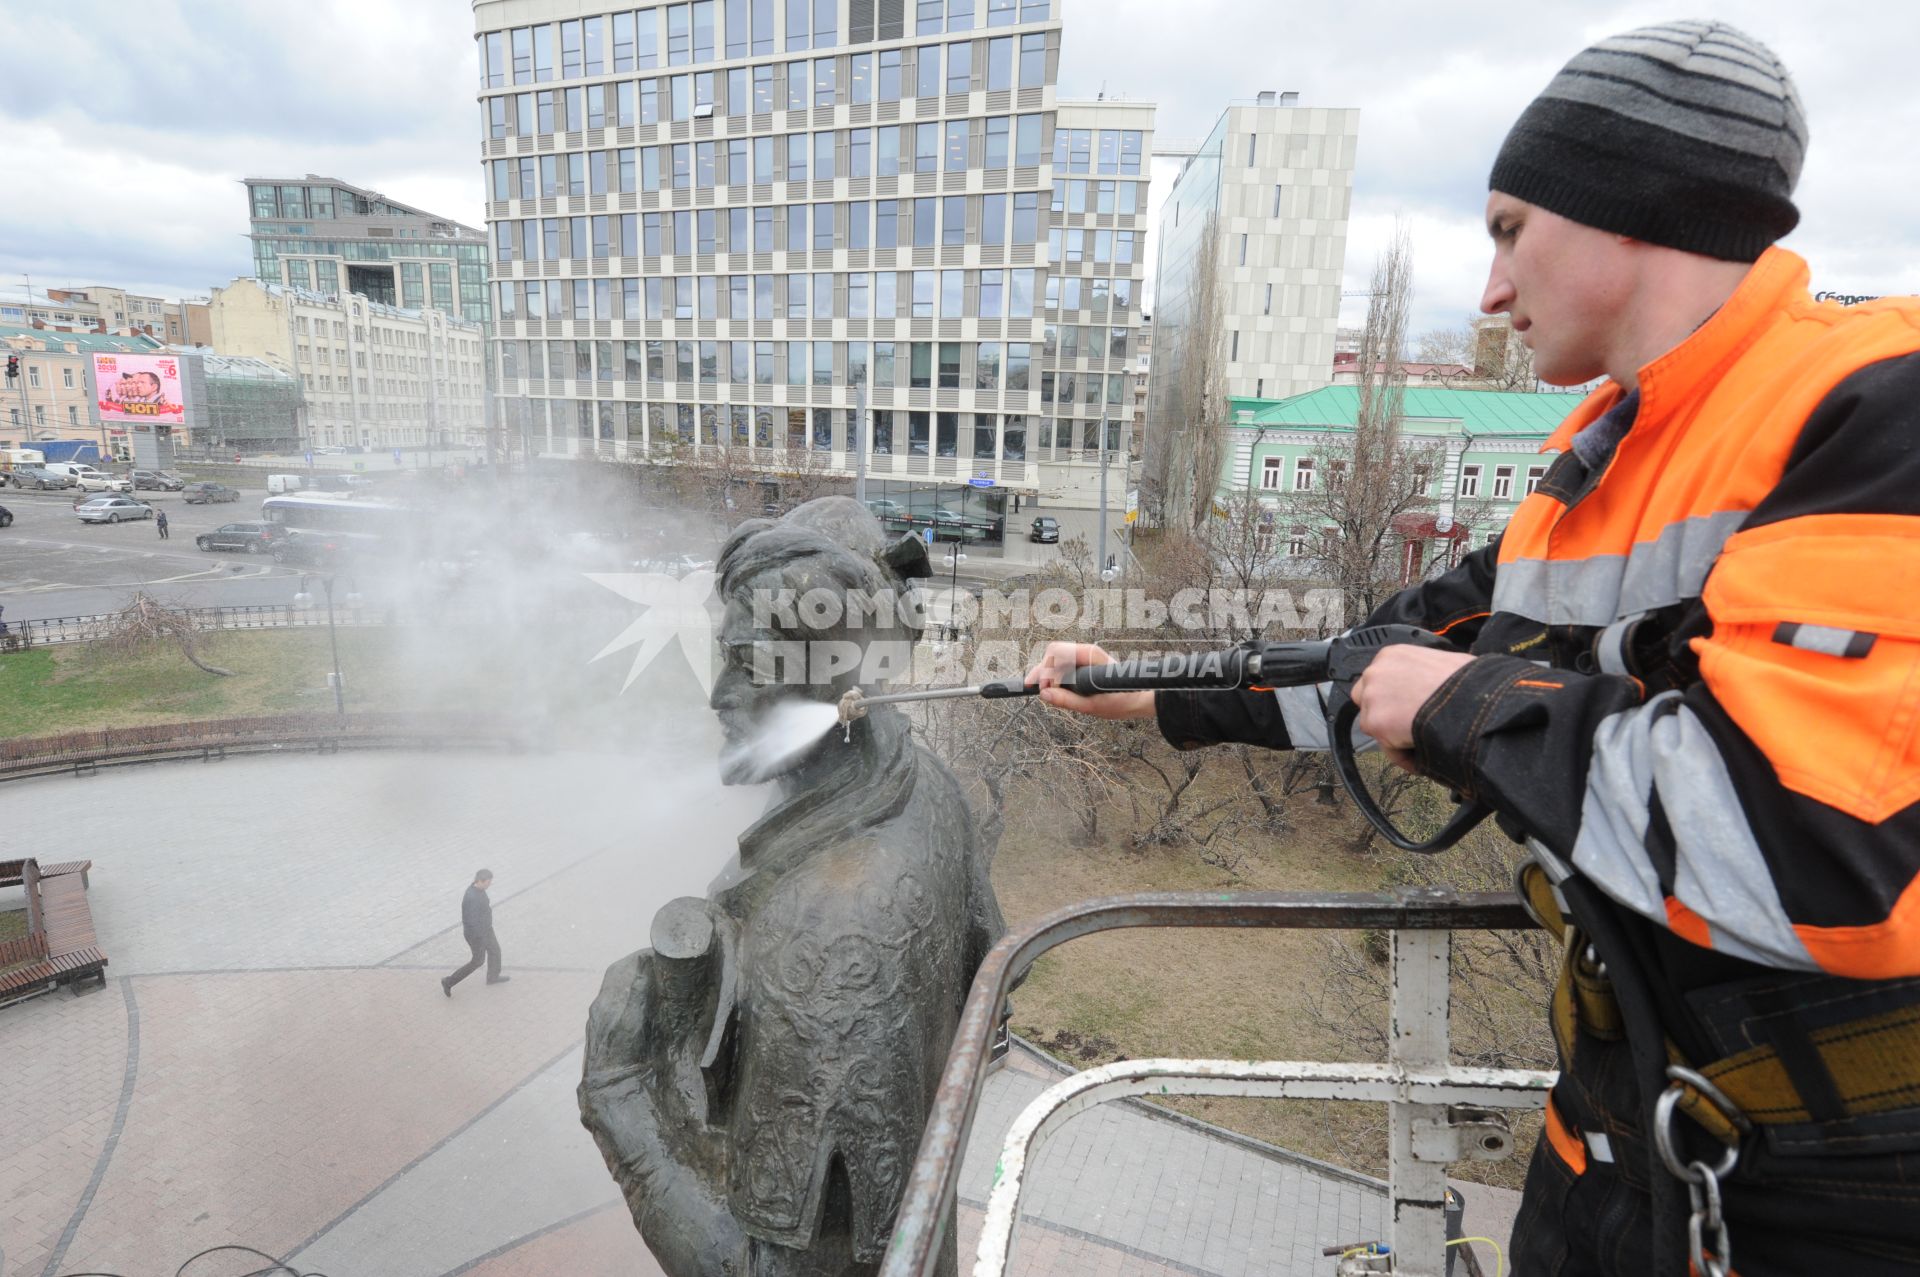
[(124, 145)]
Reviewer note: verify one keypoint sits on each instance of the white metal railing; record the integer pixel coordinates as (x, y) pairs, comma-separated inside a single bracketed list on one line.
[(1438, 1113)]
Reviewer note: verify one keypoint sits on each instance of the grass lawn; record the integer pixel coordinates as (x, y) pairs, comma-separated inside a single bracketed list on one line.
[(74, 687), (545, 678)]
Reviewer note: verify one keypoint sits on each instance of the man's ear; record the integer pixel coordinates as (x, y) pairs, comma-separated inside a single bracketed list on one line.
[(908, 558)]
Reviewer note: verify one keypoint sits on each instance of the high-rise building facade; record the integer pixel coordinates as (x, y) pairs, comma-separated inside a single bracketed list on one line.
[(1096, 282), (715, 224), (321, 235), (1276, 179)]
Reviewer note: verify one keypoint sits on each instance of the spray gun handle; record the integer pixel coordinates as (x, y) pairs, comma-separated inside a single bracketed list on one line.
[(1351, 653)]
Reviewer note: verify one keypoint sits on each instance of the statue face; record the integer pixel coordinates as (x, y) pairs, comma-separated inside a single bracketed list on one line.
[(771, 727)]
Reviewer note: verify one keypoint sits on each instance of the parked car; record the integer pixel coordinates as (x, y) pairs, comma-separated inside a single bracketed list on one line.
[(6, 517), (74, 470), (883, 509), (677, 565), (308, 549), (158, 479), (38, 478), (254, 538), (208, 493), (950, 526), (112, 510), (94, 481), (1046, 529), (330, 450)]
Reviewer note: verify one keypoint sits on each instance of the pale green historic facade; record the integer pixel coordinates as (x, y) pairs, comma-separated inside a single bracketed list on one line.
[(1486, 446)]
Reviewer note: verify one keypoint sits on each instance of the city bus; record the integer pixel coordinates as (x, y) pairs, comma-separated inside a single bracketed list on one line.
[(326, 530)]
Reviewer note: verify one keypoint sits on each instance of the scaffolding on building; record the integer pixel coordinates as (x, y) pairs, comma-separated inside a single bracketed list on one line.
[(250, 405)]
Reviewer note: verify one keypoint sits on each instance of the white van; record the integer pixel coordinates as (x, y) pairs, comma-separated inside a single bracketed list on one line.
[(73, 470), (281, 483)]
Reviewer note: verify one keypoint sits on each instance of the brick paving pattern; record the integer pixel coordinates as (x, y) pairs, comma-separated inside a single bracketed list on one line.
[(301, 1084)]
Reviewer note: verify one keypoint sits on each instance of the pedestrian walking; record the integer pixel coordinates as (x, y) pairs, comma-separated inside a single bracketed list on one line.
[(476, 922), (160, 523)]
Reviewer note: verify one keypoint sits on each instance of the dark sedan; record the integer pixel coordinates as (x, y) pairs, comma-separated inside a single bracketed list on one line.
[(6, 517), (254, 538), (207, 493), (309, 550), (1046, 530)]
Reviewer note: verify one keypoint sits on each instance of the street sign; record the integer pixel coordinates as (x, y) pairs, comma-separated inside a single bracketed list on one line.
[(396, 456), (309, 456), (929, 535), (980, 481)]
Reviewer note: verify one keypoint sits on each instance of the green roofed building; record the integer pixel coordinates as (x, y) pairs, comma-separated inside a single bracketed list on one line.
[(1485, 451)]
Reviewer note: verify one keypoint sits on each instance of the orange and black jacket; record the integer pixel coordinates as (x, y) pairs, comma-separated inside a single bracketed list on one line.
[(1699, 680)]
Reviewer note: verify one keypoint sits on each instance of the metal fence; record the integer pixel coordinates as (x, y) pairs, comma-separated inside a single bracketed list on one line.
[(263, 616), (1438, 1112), (215, 737)]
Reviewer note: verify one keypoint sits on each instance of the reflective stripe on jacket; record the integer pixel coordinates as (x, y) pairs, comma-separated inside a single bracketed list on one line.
[(1733, 610), (1728, 742)]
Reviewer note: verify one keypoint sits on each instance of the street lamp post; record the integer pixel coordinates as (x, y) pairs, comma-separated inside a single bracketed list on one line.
[(305, 599), (954, 559)]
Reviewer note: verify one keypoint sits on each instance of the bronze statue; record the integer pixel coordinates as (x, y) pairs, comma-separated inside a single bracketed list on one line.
[(757, 1080)]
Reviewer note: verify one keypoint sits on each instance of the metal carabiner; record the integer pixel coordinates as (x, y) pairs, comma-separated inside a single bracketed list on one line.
[(1683, 1078), (1702, 1181), (1705, 1197)]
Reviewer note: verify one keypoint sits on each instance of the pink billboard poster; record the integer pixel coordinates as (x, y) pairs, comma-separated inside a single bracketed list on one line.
[(144, 388)]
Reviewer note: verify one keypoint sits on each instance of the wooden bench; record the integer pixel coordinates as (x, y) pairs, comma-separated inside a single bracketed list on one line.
[(60, 946), (11, 871)]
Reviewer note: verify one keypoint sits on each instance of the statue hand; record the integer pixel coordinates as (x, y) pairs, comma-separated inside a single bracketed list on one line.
[(669, 1169)]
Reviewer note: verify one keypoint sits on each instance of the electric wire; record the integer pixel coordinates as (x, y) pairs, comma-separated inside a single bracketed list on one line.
[(273, 1265), (1499, 1256)]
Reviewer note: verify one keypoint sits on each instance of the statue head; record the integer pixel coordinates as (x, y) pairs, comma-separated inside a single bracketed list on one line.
[(817, 602)]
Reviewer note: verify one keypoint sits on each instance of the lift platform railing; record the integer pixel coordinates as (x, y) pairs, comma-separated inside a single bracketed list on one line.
[(1438, 1113)]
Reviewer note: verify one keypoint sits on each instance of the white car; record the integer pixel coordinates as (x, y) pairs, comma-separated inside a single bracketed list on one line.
[(112, 510), (97, 482)]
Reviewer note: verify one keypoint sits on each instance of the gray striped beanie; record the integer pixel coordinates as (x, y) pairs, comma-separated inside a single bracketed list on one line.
[(1686, 134)]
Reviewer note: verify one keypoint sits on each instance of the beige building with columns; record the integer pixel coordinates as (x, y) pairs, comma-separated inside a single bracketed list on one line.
[(371, 375)]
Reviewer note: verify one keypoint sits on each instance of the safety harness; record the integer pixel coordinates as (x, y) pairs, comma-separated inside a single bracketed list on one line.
[(1850, 1082)]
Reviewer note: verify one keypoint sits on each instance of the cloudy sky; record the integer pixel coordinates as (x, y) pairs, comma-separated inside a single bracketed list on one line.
[(124, 144)]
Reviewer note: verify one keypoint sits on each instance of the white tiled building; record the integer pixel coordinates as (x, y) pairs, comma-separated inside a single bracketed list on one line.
[(1279, 176)]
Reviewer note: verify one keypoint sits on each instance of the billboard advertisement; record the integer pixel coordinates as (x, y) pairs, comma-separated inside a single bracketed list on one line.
[(144, 389)]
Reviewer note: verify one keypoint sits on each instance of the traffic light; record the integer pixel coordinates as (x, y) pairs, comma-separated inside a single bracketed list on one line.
[(13, 367)]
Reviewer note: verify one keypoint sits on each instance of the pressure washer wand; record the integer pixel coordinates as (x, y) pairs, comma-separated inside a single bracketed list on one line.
[(1337, 662), (1219, 670)]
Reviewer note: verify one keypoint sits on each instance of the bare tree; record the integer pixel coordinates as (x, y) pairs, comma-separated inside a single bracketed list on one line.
[(1499, 360), (1364, 486), (146, 622), (1501, 981), (1454, 345), (1184, 461)]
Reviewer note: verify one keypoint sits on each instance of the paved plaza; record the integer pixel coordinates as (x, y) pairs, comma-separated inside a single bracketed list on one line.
[(272, 1064)]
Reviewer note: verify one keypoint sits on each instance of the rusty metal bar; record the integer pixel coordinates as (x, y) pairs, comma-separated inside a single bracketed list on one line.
[(921, 1220)]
